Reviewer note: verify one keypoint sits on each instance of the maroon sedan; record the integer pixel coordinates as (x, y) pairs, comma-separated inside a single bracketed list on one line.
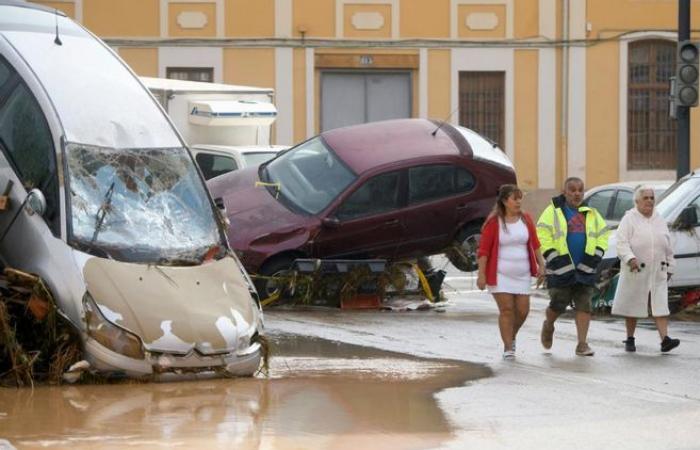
[(393, 189)]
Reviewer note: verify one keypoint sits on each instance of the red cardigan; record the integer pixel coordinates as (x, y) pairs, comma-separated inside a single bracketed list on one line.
[(489, 246)]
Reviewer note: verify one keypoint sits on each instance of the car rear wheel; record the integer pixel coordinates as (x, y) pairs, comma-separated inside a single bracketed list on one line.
[(463, 251)]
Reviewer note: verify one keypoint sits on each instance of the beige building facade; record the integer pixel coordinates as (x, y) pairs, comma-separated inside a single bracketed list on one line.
[(566, 87)]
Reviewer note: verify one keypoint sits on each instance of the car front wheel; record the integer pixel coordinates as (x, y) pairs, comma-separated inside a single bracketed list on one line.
[(463, 251)]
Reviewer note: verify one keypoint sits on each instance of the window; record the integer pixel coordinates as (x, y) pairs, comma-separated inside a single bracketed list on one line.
[(651, 133), (482, 103), (191, 73), (215, 165), (379, 194), (623, 202), (437, 181), (4, 74), (601, 201), (25, 139)]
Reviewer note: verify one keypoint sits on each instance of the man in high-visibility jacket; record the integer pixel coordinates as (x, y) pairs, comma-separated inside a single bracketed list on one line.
[(574, 239)]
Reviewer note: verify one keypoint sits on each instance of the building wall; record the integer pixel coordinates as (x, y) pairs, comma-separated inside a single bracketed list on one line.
[(555, 127)]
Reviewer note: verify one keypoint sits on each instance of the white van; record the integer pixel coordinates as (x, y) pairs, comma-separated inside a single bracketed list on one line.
[(117, 221), (680, 206)]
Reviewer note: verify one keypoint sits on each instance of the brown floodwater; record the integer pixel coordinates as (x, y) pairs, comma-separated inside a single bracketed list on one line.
[(319, 395)]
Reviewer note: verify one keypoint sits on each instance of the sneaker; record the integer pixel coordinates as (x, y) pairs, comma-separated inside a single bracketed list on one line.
[(669, 344), (547, 335), (583, 349), (509, 354), (629, 344)]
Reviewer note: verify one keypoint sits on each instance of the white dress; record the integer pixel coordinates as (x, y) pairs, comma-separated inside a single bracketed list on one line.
[(513, 273), (648, 240)]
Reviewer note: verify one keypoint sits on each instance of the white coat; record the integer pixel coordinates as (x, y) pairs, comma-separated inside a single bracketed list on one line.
[(648, 240)]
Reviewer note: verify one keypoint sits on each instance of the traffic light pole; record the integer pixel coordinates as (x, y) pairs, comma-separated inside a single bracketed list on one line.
[(683, 112)]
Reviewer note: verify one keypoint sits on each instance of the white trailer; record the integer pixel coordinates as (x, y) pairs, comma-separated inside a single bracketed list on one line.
[(216, 114)]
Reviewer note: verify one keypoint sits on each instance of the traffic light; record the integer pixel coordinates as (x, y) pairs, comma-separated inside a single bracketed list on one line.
[(686, 92)]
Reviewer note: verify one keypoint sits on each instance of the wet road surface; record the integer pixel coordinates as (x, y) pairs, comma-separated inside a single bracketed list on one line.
[(319, 394)]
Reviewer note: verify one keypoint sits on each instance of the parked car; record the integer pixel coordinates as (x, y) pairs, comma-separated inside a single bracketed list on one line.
[(680, 206), (215, 160), (612, 200), (118, 220), (393, 189)]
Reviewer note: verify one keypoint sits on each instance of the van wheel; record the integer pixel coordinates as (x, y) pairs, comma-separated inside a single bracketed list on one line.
[(276, 267), (463, 251)]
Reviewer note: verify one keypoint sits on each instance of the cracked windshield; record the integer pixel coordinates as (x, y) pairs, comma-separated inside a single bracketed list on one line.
[(139, 204)]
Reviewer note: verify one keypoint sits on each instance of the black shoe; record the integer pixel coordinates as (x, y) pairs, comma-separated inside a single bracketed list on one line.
[(669, 344), (629, 344)]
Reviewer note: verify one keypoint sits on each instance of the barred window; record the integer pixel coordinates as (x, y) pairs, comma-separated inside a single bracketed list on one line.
[(651, 133), (191, 73), (482, 103)]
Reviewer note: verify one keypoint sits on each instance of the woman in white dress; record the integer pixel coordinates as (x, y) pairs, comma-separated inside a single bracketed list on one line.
[(509, 254), (646, 264)]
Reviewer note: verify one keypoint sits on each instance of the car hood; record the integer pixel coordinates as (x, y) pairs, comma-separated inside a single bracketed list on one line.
[(256, 217), (176, 309)]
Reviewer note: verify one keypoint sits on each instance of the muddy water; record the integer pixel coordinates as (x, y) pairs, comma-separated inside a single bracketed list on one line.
[(319, 394)]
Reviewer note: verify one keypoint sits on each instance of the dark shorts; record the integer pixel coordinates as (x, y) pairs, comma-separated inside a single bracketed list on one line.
[(579, 296)]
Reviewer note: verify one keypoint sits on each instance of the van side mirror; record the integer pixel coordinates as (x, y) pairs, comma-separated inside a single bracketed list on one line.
[(35, 203), (687, 219), (330, 222)]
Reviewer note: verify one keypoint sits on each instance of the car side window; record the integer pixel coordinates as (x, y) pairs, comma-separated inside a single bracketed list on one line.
[(25, 138), (4, 74), (601, 201), (430, 182), (215, 165), (464, 180), (623, 202), (377, 195)]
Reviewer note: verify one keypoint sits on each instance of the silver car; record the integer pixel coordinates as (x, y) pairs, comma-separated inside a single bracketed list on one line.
[(119, 222)]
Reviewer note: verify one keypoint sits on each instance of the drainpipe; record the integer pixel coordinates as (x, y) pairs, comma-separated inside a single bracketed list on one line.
[(564, 113)]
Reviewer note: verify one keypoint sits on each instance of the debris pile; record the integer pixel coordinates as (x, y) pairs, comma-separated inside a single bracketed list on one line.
[(36, 342)]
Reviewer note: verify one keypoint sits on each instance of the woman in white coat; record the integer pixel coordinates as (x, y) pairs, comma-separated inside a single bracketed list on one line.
[(646, 265)]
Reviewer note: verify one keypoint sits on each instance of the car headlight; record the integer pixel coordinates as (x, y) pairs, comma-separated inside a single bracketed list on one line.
[(108, 334)]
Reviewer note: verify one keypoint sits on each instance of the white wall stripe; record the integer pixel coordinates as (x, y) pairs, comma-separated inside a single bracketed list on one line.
[(310, 93), (220, 18), (79, 11), (576, 141), (163, 18), (485, 59), (283, 18), (423, 83), (284, 95), (546, 119)]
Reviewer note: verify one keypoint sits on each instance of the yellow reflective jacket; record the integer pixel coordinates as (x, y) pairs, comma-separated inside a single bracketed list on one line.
[(552, 230)]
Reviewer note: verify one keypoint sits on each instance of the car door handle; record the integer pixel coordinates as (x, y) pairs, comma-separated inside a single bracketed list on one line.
[(392, 222), (462, 207)]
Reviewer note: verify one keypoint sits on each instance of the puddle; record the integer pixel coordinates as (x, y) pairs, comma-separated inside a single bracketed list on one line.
[(320, 394)]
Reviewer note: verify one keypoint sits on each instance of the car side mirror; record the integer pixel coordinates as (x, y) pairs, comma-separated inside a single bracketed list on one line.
[(330, 222), (687, 219), (35, 203)]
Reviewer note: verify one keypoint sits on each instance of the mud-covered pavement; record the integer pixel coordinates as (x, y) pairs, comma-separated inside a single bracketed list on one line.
[(371, 379)]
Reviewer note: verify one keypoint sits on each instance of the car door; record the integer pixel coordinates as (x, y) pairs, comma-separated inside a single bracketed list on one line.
[(624, 201), (686, 249), (438, 198), (367, 223)]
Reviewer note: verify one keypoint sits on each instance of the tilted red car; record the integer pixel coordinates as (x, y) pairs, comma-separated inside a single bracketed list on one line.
[(393, 189)]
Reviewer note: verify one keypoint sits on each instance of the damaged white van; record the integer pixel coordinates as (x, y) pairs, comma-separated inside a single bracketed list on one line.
[(108, 207)]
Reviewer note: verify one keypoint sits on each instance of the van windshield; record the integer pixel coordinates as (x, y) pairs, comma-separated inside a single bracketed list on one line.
[(140, 205), (308, 176)]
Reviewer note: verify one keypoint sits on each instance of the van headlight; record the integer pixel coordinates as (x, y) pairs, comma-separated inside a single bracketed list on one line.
[(109, 335)]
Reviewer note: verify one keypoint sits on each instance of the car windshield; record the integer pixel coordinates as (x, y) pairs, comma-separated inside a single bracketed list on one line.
[(140, 205), (257, 158), (675, 194), (308, 176)]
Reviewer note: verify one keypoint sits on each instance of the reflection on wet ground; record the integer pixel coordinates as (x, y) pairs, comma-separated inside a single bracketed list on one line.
[(319, 394)]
